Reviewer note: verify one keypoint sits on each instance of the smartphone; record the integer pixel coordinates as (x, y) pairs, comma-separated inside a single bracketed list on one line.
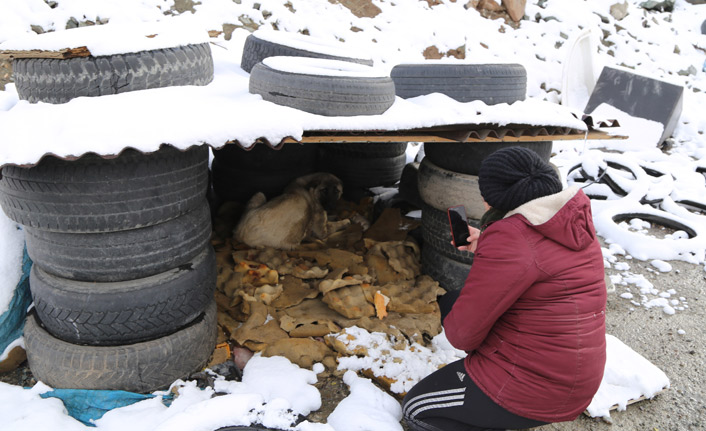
[(458, 221)]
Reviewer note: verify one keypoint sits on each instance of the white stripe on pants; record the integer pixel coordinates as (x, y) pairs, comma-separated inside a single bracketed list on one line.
[(434, 400)]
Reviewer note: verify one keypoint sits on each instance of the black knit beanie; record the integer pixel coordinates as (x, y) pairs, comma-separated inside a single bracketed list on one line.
[(513, 176)]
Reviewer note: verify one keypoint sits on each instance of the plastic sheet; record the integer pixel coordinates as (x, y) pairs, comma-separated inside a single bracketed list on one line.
[(13, 320)]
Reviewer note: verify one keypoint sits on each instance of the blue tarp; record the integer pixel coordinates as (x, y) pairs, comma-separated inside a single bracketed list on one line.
[(87, 405), (12, 322)]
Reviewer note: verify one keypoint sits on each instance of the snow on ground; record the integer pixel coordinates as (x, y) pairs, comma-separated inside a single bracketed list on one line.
[(666, 46)]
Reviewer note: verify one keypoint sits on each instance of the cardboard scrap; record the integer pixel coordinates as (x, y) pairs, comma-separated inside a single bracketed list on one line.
[(259, 330), (349, 301), (408, 296), (380, 301), (294, 291), (393, 260), (304, 352), (280, 302), (391, 225)]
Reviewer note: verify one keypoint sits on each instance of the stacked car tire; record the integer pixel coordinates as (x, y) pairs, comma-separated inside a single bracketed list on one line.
[(325, 80), (448, 174), (123, 271)]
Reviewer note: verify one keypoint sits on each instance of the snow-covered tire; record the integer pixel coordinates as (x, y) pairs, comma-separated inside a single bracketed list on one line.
[(263, 44), (93, 194), (442, 189), (236, 184), (466, 157), (450, 274), (140, 367), (365, 150), (60, 80), (328, 87), (665, 219), (124, 312), (363, 172), (490, 83), (123, 255), (437, 235)]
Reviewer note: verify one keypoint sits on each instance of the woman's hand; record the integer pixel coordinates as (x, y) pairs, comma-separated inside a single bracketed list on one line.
[(473, 235)]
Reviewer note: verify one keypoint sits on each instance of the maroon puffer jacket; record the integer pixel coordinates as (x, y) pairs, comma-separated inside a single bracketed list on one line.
[(531, 314)]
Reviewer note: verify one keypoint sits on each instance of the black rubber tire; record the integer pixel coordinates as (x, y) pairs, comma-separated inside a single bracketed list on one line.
[(366, 150), (93, 194), (409, 185), (123, 255), (693, 205), (234, 184), (466, 157), (124, 312), (323, 94), (264, 157), (60, 80), (490, 83), (450, 273), (437, 235), (256, 49), (363, 172), (141, 367), (660, 220), (442, 189)]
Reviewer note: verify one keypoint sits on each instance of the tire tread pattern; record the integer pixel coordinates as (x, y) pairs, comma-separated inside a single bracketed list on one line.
[(124, 312), (323, 95), (122, 255), (140, 367), (92, 194), (61, 80), (255, 50)]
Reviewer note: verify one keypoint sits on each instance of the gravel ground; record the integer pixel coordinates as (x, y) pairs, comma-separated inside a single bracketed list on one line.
[(653, 334)]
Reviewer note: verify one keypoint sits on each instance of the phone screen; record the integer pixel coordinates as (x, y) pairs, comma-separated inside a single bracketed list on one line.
[(459, 225)]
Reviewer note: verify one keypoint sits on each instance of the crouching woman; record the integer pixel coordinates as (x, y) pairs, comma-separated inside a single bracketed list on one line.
[(531, 314)]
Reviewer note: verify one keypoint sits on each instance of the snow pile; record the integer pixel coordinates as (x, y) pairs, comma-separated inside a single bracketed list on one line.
[(274, 393), (403, 364), (628, 377)]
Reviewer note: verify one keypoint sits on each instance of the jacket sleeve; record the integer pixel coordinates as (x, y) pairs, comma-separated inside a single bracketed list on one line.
[(503, 269)]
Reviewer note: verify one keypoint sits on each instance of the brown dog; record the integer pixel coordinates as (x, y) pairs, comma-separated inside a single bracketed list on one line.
[(299, 213)]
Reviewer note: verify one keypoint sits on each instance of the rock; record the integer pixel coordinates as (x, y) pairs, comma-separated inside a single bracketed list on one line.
[(432, 53), (360, 8), (515, 8), (71, 23), (619, 10), (182, 6), (686, 72), (703, 27), (489, 5), (37, 29), (228, 30), (661, 6)]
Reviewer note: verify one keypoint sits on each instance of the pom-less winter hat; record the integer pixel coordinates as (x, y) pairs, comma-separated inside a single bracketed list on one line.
[(513, 176)]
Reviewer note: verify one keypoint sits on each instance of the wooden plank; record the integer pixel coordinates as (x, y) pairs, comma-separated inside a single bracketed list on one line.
[(61, 54), (629, 402), (418, 137)]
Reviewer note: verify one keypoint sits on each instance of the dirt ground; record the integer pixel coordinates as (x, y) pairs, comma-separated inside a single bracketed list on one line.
[(674, 343)]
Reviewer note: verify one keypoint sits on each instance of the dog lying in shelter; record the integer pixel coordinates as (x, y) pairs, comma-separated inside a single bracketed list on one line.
[(298, 214)]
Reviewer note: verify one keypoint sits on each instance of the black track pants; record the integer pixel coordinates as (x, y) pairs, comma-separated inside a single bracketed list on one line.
[(448, 400)]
